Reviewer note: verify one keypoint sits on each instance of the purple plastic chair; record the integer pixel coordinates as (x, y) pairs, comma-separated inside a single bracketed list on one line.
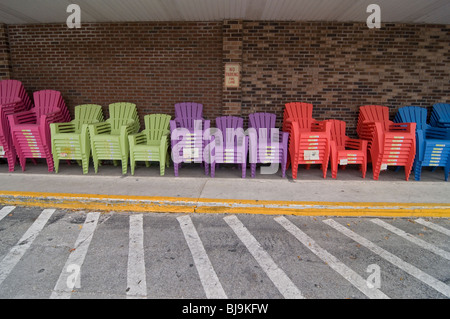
[(266, 143), (187, 141), (229, 143), (189, 110)]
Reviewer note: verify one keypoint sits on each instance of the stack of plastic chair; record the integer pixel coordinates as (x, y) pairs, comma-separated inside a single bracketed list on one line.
[(440, 115), (13, 99), (388, 143), (109, 139), (152, 143), (30, 129), (187, 131), (229, 144), (310, 146), (346, 150), (187, 142), (432, 143), (368, 116), (70, 141), (266, 143), (394, 146)]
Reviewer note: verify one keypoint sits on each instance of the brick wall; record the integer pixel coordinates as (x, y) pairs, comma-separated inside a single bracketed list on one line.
[(340, 66), (154, 65), (335, 66), (5, 65)]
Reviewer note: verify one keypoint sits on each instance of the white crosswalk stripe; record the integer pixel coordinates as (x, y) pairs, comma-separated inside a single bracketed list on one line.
[(5, 211), (433, 226), (70, 275), (283, 283), (17, 252), (412, 270), (143, 257), (137, 284), (332, 261), (210, 281), (411, 238)]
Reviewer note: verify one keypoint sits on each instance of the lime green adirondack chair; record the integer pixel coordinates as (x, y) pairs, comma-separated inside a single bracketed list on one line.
[(109, 140), (70, 141), (152, 143)]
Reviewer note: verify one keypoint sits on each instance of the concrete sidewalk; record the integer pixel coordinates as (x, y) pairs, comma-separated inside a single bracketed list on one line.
[(193, 191)]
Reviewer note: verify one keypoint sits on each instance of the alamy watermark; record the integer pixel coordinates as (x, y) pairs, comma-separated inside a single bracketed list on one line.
[(74, 19), (374, 279)]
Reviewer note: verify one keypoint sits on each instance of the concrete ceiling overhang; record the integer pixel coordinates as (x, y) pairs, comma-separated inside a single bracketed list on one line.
[(55, 11)]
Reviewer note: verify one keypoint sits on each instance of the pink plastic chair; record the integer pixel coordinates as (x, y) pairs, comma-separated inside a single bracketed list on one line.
[(30, 130)]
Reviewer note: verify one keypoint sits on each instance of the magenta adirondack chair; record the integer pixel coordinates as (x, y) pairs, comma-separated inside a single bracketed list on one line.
[(13, 89), (8, 106), (13, 99), (266, 143), (229, 143), (30, 129), (189, 110)]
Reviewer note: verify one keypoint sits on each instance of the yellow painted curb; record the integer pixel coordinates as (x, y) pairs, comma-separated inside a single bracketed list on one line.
[(96, 202)]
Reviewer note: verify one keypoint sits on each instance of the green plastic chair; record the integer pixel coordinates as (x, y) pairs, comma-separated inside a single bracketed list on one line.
[(70, 140), (152, 143), (109, 140)]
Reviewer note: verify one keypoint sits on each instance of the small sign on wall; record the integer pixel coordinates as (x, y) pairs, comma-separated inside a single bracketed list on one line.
[(232, 75)]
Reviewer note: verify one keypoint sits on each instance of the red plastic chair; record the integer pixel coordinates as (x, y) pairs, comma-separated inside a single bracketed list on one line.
[(30, 130), (395, 146), (310, 147), (346, 150), (299, 112)]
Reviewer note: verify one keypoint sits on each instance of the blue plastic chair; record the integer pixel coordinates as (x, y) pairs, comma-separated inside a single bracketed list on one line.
[(440, 115), (432, 143)]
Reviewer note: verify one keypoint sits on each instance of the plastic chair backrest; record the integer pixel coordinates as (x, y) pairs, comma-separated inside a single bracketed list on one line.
[(121, 113), (225, 123), (189, 109), (263, 123), (298, 110), (156, 125), (87, 114), (375, 113), (47, 101), (416, 114), (443, 110), (337, 132), (10, 89)]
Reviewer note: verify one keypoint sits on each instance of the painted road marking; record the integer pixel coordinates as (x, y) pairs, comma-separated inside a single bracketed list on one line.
[(438, 251), (355, 279), (17, 252), (278, 276), (410, 269), (433, 226), (208, 277), (5, 211), (136, 279), (71, 273)]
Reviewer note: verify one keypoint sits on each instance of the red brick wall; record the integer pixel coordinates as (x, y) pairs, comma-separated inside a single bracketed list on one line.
[(340, 66), (5, 64), (335, 66), (154, 65)]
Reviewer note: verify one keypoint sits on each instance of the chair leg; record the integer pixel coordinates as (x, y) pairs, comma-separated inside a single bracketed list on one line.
[(56, 163)]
